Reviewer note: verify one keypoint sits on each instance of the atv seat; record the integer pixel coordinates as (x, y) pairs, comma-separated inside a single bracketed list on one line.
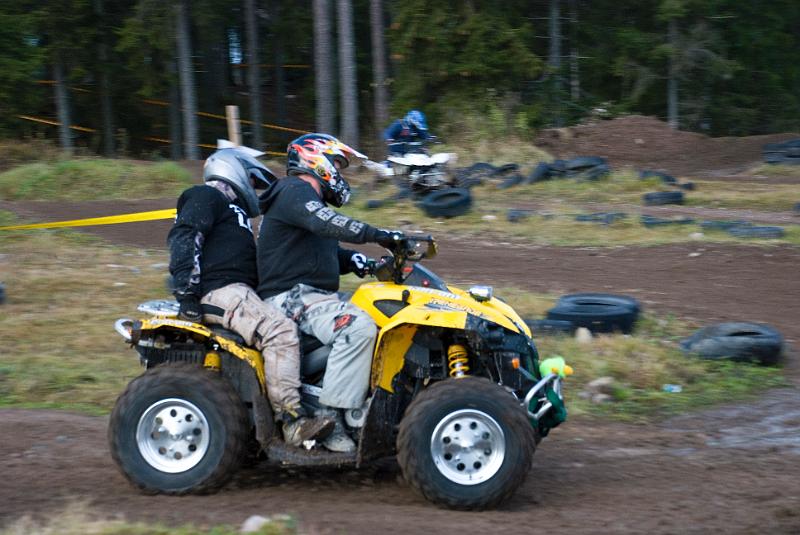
[(313, 355), (219, 330)]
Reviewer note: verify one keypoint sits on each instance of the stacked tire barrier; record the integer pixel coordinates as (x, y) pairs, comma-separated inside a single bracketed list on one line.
[(786, 153), (598, 312)]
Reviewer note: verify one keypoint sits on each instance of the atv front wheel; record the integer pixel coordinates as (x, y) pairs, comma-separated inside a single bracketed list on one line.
[(178, 429), (465, 444)]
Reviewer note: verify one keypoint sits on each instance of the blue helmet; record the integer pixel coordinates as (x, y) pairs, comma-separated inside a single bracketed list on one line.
[(416, 119)]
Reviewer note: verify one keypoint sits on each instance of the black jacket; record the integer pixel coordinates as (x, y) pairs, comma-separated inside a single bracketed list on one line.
[(298, 241), (211, 244)]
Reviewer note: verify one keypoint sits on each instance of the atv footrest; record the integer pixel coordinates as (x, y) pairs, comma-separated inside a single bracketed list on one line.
[(279, 452)]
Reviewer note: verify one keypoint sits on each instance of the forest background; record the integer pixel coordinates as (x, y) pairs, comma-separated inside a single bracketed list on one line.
[(150, 79)]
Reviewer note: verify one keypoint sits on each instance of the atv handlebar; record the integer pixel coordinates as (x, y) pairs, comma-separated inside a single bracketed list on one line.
[(390, 268)]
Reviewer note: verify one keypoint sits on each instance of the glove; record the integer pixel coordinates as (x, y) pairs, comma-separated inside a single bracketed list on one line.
[(388, 238), (360, 265), (190, 309)]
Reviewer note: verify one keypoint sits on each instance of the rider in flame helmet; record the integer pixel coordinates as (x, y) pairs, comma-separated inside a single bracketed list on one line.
[(300, 261), (322, 156)]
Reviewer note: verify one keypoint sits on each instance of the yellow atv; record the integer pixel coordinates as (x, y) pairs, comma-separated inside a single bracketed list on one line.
[(457, 392)]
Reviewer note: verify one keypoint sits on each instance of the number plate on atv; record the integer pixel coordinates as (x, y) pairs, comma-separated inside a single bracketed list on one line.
[(165, 308)]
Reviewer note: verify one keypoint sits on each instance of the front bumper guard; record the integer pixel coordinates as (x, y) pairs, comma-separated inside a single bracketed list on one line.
[(538, 393)]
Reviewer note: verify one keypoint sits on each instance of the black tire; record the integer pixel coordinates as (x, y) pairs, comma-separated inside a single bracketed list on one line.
[(665, 178), (511, 181), (736, 341), (372, 204), (796, 208), (540, 173), (598, 317), (596, 173), (449, 202), (443, 401), (717, 224), (211, 400), (651, 221), (582, 163), (515, 216), (506, 168), (687, 186), (551, 327), (657, 198), (593, 298), (2, 293), (757, 232)]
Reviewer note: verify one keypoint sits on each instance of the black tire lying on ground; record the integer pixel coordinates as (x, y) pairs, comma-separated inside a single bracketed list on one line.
[(757, 232), (450, 202), (515, 216), (511, 181), (506, 168), (2, 293), (540, 173), (597, 315), (550, 327), (596, 173), (588, 298), (584, 163), (719, 224), (667, 179), (736, 341), (651, 221), (371, 204), (657, 198)]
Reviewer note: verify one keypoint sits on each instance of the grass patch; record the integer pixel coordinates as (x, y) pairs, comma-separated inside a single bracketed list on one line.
[(64, 291), (79, 519), (750, 195), (777, 170), (93, 179)]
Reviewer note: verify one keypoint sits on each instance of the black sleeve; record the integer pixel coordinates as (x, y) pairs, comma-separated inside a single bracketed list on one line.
[(198, 208), (344, 260), (300, 206)]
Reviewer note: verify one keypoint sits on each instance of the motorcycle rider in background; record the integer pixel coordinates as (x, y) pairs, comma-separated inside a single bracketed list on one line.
[(213, 264), (300, 262), (412, 127)]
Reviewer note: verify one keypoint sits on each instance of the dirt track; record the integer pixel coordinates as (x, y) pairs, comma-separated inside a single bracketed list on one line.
[(725, 471), (734, 470)]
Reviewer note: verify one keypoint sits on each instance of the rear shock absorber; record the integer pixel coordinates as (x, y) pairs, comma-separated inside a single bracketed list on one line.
[(458, 361)]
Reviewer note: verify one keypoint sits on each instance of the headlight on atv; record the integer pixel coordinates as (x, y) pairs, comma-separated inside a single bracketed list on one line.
[(481, 293)]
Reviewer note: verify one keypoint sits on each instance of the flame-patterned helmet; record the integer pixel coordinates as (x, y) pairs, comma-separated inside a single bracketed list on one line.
[(316, 155)]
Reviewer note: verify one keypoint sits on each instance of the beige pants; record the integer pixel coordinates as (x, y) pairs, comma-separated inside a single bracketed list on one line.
[(267, 329)]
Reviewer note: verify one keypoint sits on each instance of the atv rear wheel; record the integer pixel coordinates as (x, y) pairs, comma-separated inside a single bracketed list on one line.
[(465, 444), (178, 429)]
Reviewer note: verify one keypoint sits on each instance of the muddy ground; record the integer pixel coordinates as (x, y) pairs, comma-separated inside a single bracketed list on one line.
[(730, 470)]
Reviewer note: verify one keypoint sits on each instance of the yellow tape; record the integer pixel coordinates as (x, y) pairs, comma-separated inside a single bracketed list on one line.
[(107, 220)]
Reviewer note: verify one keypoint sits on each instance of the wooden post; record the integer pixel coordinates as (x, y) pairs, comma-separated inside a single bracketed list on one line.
[(234, 128)]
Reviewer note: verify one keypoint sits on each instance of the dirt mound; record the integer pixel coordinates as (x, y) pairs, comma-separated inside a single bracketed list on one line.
[(648, 143)]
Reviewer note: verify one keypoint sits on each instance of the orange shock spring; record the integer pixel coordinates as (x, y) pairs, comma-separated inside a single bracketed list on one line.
[(457, 360)]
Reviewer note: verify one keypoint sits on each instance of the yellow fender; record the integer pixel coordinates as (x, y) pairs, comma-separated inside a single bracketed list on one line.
[(423, 307), (251, 356)]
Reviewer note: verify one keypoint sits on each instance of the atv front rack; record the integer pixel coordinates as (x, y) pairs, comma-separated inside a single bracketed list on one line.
[(553, 378)]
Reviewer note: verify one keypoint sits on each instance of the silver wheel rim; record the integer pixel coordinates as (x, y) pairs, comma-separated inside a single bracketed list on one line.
[(173, 435), (468, 446)]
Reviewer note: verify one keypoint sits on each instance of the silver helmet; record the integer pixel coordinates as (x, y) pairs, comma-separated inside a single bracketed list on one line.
[(236, 166)]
